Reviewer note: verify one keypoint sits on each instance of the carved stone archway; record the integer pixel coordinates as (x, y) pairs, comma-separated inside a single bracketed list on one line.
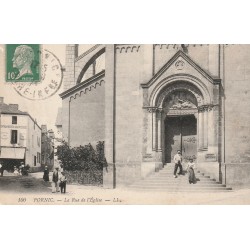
[(197, 102)]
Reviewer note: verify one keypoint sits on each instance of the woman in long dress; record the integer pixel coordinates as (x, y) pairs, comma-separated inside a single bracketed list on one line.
[(190, 170), (46, 174)]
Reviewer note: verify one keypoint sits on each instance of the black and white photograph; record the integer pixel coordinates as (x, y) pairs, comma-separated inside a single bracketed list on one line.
[(125, 124)]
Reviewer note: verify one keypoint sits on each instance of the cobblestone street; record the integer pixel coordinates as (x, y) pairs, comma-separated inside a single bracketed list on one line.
[(24, 184)]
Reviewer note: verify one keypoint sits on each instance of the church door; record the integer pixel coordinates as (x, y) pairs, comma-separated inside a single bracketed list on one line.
[(180, 134)]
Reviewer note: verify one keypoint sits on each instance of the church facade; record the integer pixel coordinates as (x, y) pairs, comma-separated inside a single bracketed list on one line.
[(148, 101)]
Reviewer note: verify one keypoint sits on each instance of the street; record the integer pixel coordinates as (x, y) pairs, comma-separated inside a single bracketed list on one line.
[(35, 191)]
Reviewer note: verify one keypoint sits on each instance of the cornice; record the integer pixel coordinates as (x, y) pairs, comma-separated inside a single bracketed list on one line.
[(83, 85)]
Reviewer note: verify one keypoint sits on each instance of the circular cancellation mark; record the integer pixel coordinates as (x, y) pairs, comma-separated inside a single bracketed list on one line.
[(50, 83)]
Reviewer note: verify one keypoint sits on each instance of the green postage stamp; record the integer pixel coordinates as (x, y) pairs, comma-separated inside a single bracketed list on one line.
[(23, 63)]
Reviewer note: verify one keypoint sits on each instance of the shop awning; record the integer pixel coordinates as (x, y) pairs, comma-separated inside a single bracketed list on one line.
[(12, 153)]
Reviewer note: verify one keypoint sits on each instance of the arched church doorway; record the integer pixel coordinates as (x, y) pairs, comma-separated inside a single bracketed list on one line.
[(180, 125), (180, 134)]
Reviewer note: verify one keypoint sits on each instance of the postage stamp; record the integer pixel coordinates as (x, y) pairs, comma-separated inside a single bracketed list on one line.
[(23, 63), (50, 82)]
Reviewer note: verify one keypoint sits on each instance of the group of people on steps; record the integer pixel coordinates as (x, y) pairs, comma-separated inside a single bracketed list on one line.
[(189, 168)]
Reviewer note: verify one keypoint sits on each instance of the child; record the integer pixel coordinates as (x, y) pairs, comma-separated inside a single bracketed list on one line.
[(63, 181), (16, 171), (190, 169)]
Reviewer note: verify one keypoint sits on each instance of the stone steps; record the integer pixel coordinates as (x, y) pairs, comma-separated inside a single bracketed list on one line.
[(165, 181)]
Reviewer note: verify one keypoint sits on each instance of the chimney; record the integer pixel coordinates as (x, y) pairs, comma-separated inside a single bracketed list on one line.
[(1, 100), (14, 107)]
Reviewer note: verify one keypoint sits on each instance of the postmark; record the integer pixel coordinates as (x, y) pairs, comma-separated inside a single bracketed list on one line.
[(50, 82), (23, 63)]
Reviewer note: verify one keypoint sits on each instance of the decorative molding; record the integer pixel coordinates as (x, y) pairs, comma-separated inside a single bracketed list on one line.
[(177, 46), (180, 64), (154, 109), (183, 104), (127, 48), (174, 112), (88, 89), (206, 108), (180, 54), (180, 86), (88, 85)]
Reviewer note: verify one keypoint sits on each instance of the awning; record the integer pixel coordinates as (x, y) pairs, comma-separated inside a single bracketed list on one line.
[(12, 153)]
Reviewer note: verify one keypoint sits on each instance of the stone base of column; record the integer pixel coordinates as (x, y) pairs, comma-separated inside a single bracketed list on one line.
[(210, 168), (158, 166), (148, 168)]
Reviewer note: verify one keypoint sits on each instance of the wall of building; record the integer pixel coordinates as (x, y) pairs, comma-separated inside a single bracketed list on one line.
[(87, 117), (128, 113), (27, 132), (237, 114), (123, 114), (33, 145), (7, 126)]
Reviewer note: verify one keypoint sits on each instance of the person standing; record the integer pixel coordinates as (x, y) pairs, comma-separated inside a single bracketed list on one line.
[(63, 181), (178, 163), (21, 168), (55, 179), (190, 169), (16, 172), (46, 174), (1, 169)]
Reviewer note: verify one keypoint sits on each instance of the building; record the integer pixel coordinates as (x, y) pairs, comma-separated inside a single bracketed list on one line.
[(47, 147), (152, 100), (58, 136), (20, 139)]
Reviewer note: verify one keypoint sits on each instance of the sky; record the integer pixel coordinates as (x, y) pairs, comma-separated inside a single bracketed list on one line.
[(44, 111)]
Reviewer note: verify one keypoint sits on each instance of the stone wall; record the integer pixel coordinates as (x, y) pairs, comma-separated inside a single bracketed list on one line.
[(237, 103), (128, 105), (87, 117), (237, 115)]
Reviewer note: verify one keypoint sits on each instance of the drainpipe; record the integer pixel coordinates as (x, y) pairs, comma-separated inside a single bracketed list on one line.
[(114, 121), (69, 123)]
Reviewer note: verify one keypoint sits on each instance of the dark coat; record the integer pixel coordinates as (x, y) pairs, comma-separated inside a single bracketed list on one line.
[(46, 175), (55, 176)]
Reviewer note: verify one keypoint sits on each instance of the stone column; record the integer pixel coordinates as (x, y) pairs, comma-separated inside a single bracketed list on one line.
[(159, 130), (69, 74), (109, 175), (211, 130), (200, 129), (213, 59), (205, 128), (154, 132)]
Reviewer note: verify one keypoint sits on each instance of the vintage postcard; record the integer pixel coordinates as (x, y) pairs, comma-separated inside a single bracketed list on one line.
[(113, 124)]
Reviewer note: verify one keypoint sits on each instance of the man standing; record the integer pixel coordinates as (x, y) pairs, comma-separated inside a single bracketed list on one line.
[(177, 161), (55, 179)]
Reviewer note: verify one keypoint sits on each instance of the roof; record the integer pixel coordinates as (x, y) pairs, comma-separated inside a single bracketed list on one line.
[(8, 109), (59, 117)]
